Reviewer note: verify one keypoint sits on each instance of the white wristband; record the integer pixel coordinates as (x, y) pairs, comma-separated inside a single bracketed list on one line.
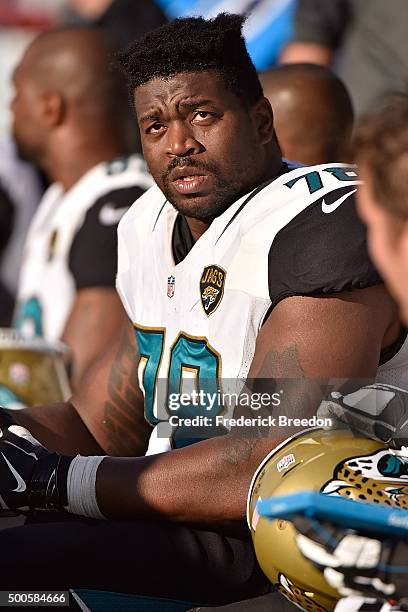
[(81, 486)]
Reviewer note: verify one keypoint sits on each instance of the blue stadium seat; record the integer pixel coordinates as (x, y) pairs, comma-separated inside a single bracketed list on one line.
[(268, 29)]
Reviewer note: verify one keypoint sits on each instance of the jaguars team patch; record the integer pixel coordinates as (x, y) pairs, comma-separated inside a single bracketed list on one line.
[(212, 288)]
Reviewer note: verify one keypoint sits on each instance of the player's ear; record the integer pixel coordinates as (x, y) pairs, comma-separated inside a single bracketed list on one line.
[(262, 115), (53, 109)]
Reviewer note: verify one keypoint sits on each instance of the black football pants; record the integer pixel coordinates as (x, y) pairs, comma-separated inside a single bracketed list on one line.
[(152, 558), (272, 602)]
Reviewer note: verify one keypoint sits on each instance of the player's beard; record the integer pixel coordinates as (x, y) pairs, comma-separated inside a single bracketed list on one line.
[(199, 207)]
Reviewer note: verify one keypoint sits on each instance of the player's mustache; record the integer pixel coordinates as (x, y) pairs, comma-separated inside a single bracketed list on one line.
[(180, 162)]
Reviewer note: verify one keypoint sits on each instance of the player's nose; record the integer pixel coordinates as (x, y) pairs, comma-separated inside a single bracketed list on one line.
[(181, 141)]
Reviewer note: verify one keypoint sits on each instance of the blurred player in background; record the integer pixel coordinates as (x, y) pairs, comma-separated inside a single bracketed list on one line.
[(70, 117), (312, 111), (381, 148)]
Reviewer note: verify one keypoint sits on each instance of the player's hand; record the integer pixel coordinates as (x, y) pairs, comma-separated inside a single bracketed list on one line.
[(351, 563), (376, 411), (30, 476)]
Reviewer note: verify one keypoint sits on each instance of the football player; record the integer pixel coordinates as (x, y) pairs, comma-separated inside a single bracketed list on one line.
[(234, 264), (70, 117)]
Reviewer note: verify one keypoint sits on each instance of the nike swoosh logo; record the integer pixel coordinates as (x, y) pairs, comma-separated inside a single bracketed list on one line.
[(21, 485), (109, 215), (21, 449), (328, 208)]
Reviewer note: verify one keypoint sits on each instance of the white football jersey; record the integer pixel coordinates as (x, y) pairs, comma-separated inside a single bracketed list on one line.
[(197, 320), (71, 243)]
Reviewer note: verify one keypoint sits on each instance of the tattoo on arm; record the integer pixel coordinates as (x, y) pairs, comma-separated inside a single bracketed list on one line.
[(281, 364), (302, 394), (281, 371), (124, 423), (237, 450)]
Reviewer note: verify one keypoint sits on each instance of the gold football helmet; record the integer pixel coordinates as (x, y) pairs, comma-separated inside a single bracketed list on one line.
[(31, 371), (335, 463)]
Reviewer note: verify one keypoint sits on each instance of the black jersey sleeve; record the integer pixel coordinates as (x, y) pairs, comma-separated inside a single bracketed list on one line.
[(321, 253), (93, 254)]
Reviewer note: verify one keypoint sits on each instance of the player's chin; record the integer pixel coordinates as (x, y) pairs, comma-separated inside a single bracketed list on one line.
[(197, 206)]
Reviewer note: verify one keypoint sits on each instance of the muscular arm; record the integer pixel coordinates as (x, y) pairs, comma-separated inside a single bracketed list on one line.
[(110, 402), (92, 327), (304, 338), (104, 416)]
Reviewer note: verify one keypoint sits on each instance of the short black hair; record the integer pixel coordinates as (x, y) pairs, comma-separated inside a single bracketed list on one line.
[(195, 44)]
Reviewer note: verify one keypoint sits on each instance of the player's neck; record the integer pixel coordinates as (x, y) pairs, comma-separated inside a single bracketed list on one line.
[(197, 227), (67, 165)]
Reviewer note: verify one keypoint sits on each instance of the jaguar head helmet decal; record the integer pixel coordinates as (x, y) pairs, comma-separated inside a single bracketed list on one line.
[(381, 477)]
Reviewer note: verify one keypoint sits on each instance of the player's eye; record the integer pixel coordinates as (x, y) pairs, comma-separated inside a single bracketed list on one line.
[(201, 116), (155, 128)]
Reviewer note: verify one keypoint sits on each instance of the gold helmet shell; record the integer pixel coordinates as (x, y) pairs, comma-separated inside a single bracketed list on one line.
[(32, 371), (333, 462)]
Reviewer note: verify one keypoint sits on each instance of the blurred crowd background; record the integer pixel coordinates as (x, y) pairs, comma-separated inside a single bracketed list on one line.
[(364, 41)]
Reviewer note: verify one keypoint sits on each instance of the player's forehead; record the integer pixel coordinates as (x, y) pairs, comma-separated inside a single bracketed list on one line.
[(182, 89)]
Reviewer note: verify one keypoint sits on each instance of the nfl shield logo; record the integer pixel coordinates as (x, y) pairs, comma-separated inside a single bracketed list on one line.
[(171, 282)]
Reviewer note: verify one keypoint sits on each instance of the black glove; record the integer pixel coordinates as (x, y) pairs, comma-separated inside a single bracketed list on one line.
[(377, 411), (354, 563), (31, 478)]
